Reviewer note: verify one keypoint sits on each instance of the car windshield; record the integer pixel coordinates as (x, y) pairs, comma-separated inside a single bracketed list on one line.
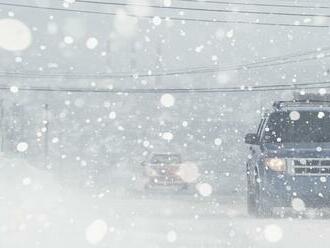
[(165, 159), (298, 127)]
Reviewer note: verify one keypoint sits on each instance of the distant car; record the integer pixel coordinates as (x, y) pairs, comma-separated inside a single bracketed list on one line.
[(289, 165), (164, 170)]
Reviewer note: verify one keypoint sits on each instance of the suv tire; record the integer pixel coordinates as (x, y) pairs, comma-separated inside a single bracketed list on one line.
[(251, 201), (264, 207)]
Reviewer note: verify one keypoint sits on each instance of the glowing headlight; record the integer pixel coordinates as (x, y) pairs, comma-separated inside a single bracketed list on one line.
[(276, 164)]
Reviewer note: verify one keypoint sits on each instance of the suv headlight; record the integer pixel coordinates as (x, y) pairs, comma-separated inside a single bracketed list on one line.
[(276, 164)]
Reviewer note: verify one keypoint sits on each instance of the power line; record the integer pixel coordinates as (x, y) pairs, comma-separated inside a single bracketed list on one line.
[(304, 1), (263, 61), (203, 9), (245, 89), (201, 20), (257, 66), (81, 76), (257, 4), (275, 61)]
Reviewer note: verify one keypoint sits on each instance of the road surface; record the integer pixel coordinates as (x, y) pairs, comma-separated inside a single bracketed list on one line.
[(37, 211)]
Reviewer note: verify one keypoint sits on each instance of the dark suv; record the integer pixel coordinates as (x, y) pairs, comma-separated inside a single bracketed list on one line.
[(289, 164)]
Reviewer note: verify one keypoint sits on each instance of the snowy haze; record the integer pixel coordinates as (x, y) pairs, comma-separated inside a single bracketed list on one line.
[(70, 161)]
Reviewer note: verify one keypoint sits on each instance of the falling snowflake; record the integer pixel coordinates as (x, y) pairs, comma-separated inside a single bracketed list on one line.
[(167, 100), (14, 35), (167, 136), (112, 115), (92, 43), (218, 142), (68, 40), (273, 233), (298, 204), (96, 231), (156, 20), (171, 236), (27, 181), (13, 89), (22, 147), (294, 115), (204, 189)]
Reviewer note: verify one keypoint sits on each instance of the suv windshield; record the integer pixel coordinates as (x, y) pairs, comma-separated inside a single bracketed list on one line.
[(165, 159), (297, 127)]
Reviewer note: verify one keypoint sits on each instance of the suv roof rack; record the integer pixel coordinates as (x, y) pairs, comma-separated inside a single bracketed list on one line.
[(311, 97), (307, 100), (309, 103)]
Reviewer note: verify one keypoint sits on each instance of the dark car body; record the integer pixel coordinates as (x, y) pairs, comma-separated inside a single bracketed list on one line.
[(162, 170), (290, 158)]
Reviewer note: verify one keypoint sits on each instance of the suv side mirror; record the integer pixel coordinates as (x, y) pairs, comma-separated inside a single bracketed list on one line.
[(252, 139)]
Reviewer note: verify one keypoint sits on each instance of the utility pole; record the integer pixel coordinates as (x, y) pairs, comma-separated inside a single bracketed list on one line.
[(2, 129), (108, 57), (159, 58), (133, 63), (46, 140)]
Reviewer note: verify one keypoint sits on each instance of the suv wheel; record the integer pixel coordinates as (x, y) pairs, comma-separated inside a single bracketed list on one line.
[(264, 208), (251, 201)]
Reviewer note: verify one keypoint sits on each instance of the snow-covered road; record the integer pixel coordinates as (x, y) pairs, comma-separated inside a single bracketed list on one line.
[(36, 211), (72, 218)]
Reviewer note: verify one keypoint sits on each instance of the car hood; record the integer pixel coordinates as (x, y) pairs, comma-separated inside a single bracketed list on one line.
[(307, 150)]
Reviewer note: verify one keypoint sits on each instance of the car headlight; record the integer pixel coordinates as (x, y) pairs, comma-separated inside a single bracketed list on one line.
[(276, 164)]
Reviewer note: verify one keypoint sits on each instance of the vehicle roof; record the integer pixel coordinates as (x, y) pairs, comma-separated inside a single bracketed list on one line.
[(308, 104)]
